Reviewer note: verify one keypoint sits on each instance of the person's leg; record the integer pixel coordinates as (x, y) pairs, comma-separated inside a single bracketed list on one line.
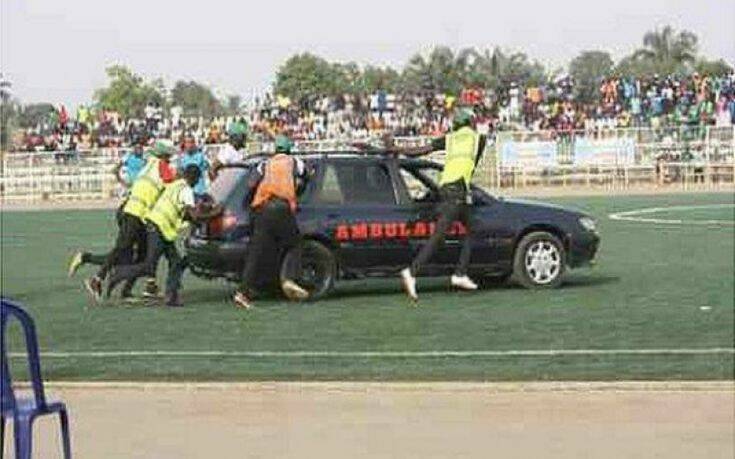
[(129, 226), (97, 259), (141, 248), (124, 240), (130, 256), (453, 197), (130, 273), (262, 245), (261, 239), (176, 265), (448, 212), (288, 238), (82, 258), (465, 218), (286, 231)]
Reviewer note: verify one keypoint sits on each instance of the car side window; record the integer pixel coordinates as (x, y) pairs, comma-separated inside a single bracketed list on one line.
[(417, 190), (421, 184), (330, 190), (366, 183)]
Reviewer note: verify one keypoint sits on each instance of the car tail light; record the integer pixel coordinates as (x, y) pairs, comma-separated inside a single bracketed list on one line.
[(221, 224)]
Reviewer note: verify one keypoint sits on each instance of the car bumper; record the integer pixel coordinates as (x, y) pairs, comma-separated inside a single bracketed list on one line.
[(583, 249), (215, 258)]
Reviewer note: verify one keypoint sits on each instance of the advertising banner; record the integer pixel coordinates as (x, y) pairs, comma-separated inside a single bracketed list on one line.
[(603, 151), (528, 154)]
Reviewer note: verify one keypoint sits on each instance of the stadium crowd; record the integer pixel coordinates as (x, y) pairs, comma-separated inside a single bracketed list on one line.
[(656, 102)]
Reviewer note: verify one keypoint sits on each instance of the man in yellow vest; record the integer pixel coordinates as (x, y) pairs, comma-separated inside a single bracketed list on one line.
[(464, 148), (164, 221), (144, 193), (133, 164), (274, 227)]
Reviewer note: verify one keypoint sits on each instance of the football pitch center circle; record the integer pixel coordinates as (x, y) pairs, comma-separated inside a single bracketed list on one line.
[(641, 215)]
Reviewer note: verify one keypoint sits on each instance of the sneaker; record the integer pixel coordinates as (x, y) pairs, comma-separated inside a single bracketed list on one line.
[(150, 290), (131, 300), (173, 300), (94, 287), (294, 291), (409, 284), (463, 283), (126, 296), (242, 301), (75, 263)]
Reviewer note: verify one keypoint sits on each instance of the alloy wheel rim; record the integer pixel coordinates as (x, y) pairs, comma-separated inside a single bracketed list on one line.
[(543, 262)]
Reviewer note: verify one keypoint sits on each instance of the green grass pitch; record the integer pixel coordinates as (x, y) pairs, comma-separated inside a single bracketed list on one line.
[(655, 287)]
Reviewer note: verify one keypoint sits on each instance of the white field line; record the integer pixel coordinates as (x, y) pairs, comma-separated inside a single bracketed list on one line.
[(633, 215), (381, 354), (362, 387)]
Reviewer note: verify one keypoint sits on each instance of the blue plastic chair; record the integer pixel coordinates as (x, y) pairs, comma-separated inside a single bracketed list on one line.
[(25, 410)]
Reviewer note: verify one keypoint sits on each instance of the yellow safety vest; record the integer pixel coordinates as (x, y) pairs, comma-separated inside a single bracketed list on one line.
[(168, 212), (461, 151), (145, 190)]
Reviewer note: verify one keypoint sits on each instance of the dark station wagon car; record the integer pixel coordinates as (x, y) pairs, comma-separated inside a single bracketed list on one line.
[(367, 215)]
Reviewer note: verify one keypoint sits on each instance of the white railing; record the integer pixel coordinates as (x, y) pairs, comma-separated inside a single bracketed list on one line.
[(702, 156)]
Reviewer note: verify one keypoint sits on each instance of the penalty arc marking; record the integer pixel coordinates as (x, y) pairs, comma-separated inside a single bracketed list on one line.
[(635, 215), (381, 354)]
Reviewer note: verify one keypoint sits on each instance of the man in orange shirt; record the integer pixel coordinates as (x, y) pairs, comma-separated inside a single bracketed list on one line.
[(274, 228)]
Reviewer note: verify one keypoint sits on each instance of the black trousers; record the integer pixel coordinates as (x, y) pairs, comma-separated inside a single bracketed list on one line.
[(274, 230), (125, 257), (453, 207), (131, 233), (157, 247)]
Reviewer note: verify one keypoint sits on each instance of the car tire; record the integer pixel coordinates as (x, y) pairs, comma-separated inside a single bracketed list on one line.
[(539, 261), (318, 268)]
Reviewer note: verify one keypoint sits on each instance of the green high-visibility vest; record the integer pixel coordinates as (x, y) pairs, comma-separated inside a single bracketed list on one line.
[(145, 190), (168, 212), (461, 152)]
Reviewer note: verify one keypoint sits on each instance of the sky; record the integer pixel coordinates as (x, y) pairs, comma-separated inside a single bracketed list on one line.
[(57, 51)]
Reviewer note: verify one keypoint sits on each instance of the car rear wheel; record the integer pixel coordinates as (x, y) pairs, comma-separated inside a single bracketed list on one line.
[(540, 261), (317, 272)]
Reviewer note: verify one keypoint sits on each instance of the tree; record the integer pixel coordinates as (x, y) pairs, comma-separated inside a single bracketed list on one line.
[(195, 99), (493, 69), (717, 67), (664, 51), (8, 112), (588, 69), (8, 121), (33, 114), (440, 71), (632, 66), (304, 76), (127, 93), (373, 79)]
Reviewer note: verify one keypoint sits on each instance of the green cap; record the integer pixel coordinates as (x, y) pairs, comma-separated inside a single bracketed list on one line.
[(462, 117), (163, 148), (283, 144), (237, 128)]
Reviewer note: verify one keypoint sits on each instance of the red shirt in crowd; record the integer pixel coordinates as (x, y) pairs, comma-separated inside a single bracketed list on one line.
[(166, 172)]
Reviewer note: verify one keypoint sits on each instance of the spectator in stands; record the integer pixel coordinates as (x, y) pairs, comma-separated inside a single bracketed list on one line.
[(192, 154)]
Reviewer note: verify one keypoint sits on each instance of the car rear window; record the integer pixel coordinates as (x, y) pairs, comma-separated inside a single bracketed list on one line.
[(228, 182)]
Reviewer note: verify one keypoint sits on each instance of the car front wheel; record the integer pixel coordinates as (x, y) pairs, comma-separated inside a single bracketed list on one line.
[(539, 261), (316, 270)]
